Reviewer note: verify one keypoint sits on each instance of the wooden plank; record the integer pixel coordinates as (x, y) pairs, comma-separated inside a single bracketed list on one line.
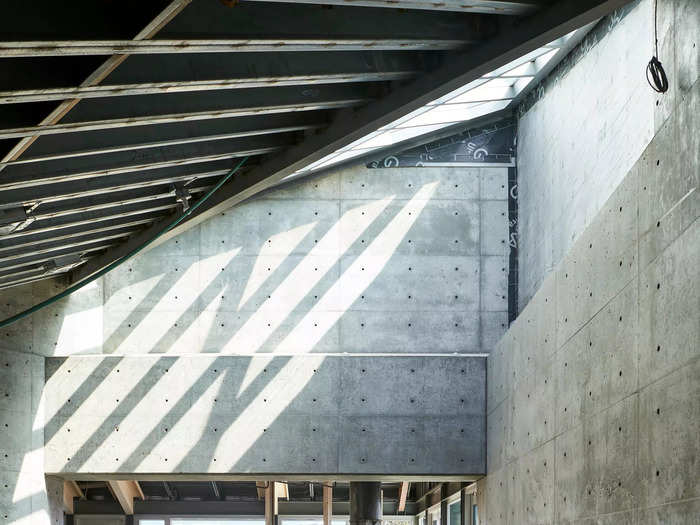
[(125, 492), (71, 490), (327, 502), (403, 495), (270, 504), (281, 490)]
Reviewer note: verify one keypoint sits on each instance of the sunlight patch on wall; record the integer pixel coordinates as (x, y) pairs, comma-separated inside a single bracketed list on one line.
[(297, 285), (250, 425), (359, 276), (74, 335), (271, 255)]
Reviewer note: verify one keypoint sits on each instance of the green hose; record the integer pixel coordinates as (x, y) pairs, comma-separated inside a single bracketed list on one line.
[(116, 263)]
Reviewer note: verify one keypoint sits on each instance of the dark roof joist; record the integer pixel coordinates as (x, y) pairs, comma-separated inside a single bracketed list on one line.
[(64, 170), (114, 140), (155, 47), (12, 257), (158, 15), (497, 7), (44, 224), (114, 200), (7, 245), (73, 127), (120, 90), (103, 185)]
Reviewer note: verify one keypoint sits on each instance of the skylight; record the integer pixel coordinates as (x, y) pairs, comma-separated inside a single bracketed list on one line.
[(492, 92)]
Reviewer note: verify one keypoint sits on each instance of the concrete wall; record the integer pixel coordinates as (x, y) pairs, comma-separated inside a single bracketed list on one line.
[(594, 392), (358, 260), (26, 496), (241, 416), (584, 128)]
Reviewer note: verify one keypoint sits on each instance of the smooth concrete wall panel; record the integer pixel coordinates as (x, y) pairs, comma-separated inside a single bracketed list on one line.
[(607, 350), (579, 139), (285, 415), (26, 496), (356, 260), (446, 183), (444, 228), (669, 284), (669, 450), (494, 239), (371, 331)]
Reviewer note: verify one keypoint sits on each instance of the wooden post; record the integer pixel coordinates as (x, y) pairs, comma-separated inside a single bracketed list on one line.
[(270, 504), (327, 502), (403, 495)]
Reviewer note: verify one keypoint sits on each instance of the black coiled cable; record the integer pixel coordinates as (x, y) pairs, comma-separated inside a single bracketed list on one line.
[(656, 76)]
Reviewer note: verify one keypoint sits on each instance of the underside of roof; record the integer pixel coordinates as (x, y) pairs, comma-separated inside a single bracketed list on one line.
[(116, 116)]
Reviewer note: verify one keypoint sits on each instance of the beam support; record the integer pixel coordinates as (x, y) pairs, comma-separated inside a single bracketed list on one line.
[(270, 503), (71, 490), (403, 495), (125, 492), (327, 502)]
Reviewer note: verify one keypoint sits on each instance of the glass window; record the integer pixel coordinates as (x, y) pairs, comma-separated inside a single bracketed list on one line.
[(475, 515), (151, 522), (310, 521), (209, 521), (453, 513)]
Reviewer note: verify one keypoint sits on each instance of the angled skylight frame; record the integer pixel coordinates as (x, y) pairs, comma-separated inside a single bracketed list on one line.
[(494, 92)]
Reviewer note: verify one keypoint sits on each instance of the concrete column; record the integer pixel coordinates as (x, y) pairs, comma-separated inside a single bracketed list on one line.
[(365, 503)]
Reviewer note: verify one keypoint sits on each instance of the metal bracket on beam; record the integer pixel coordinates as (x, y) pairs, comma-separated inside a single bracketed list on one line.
[(182, 195), (63, 263), (15, 219)]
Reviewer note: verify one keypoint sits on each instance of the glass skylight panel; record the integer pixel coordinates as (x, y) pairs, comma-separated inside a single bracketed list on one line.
[(532, 55), (528, 69), (443, 114), (492, 92), (397, 135), (487, 92)]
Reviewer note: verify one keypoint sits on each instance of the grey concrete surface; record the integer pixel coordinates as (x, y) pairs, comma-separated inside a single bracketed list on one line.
[(359, 260), (334, 416), (594, 391), (591, 121), (27, 497)]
